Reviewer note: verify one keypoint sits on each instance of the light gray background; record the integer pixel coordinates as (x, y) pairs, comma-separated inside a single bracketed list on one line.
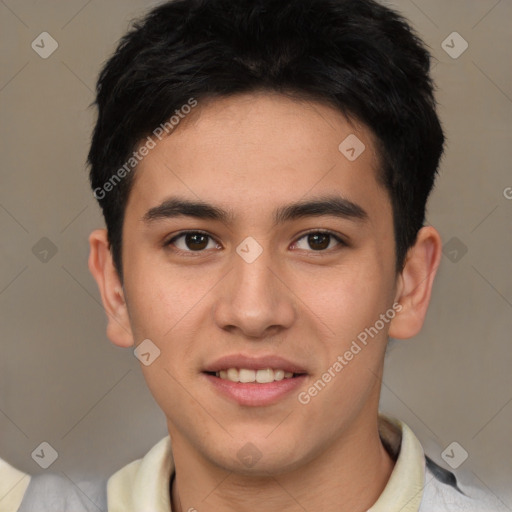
[(63, 382)]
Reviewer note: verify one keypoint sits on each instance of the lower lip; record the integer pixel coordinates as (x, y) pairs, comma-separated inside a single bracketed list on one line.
[(255, 394)]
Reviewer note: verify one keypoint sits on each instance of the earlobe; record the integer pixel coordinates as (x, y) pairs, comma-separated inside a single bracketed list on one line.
[(415, 283), (102, 268)]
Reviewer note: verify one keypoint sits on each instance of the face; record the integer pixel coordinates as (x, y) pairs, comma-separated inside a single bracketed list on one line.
[(256, 272)]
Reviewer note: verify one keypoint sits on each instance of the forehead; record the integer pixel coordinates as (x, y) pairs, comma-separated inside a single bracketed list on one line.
[(254, 151)]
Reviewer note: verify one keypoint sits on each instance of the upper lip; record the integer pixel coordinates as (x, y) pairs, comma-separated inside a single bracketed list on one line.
[(254, 363)]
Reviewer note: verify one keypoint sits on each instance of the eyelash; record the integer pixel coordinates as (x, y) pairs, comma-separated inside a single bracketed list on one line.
[(169, 243)]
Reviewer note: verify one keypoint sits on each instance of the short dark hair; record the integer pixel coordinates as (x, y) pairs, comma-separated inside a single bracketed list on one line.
[(355, 55)]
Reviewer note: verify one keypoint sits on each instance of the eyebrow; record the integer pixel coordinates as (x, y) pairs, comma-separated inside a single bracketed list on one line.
[(335, 206)]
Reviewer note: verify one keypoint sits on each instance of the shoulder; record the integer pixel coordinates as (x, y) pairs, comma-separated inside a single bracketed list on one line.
[(444, 493), (49, 492), (13, 485), (143, 480)]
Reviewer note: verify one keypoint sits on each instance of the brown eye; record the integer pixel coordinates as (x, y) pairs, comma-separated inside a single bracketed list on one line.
[(196, 241), (192, 241), (319, 240)]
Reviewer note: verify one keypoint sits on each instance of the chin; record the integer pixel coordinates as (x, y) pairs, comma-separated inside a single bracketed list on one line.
[(257, 456)]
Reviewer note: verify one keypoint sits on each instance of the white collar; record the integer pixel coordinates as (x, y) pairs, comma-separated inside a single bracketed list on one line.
[(144, 483)]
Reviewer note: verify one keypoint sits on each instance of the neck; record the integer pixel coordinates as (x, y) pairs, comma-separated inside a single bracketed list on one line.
[(349, 475)]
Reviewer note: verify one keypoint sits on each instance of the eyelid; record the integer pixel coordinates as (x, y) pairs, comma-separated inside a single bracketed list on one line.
[(174, 237), (186, 232), (333, 234)]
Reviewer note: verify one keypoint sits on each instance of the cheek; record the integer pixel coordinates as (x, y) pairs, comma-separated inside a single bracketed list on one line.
[(347, 299), (171, 310), (159, 299), (349, 303)]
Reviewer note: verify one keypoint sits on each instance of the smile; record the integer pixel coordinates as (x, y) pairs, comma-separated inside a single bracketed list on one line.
[(255, 388), (262, 376)]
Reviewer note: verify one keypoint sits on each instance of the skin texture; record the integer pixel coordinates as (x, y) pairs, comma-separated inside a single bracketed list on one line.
[(251, 154)]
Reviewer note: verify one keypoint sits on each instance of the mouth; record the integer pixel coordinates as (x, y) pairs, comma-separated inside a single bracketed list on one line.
[(254, 380), (260, 376), (254, 388)]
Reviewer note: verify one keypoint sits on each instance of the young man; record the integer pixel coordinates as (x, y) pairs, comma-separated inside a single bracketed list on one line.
[(263, 169)]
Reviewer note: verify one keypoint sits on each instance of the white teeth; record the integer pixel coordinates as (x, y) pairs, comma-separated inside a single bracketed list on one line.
[(279, 374), (232, 374), (261, 376), (246, 375)]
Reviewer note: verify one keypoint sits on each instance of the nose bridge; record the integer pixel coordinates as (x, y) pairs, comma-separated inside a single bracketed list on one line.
[(253, 298), (253, 279)]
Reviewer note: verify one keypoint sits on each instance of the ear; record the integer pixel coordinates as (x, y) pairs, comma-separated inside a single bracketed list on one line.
[(415, 282), (101, 266)]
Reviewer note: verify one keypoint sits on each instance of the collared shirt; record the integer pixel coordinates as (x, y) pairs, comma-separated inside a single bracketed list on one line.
[(416, 484)]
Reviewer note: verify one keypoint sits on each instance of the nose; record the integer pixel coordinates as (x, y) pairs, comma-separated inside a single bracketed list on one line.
[(254, 299)]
